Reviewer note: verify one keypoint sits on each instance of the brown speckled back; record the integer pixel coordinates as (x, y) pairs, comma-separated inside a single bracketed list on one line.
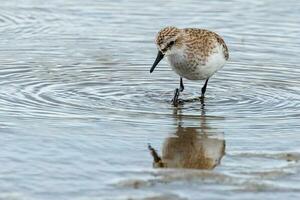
[(204, 41)]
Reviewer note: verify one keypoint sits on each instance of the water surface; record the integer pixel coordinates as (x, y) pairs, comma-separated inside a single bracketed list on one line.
[(78, 106)]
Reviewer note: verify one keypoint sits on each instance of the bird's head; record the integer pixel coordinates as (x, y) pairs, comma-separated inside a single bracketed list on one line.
[(168, 41)]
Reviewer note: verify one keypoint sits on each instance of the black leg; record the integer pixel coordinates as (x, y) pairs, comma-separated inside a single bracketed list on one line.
[(177, 92), (204, 89), (175, 98), (181, 85)]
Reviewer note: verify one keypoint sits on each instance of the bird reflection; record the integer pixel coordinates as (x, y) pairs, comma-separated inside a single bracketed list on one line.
[(191, 147)]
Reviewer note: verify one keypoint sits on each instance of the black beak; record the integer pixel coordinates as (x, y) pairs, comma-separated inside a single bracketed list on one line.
[(159, 56)]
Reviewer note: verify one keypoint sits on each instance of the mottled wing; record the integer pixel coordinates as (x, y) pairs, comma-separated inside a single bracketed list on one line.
[(204, 41)]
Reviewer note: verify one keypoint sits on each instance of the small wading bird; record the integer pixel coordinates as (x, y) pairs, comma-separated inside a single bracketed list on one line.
[(194, 54)]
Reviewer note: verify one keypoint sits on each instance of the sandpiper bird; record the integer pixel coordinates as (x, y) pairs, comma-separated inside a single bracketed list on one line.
[(194, 54)]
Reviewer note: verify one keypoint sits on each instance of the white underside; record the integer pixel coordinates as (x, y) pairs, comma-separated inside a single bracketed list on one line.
[(203, 70)]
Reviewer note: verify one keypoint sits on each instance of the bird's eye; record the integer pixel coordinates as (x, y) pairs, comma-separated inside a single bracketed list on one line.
[(171, 43)]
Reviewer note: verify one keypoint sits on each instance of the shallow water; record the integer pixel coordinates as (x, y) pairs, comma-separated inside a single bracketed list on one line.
[(79, 107)]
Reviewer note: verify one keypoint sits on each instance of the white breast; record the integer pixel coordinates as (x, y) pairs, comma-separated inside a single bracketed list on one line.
[(197, 70), (179, 63)]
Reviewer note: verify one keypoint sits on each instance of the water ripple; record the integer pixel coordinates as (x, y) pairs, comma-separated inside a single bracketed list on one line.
[(111, 91)]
